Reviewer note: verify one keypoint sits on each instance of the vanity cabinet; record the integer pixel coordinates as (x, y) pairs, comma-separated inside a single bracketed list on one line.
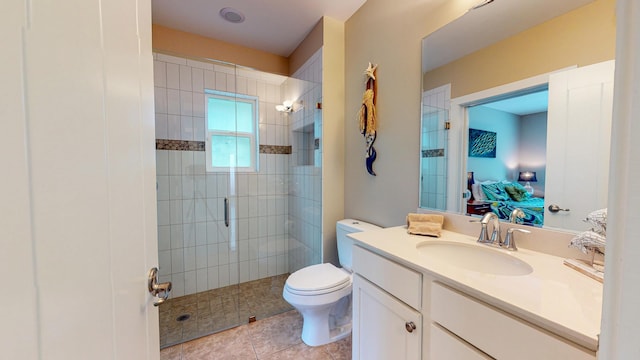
[(387, 323), (386, 327), (494, 332), (389, 299), (445, 345)]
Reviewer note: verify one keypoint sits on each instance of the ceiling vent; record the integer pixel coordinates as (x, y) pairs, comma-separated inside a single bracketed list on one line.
[(232, 15)]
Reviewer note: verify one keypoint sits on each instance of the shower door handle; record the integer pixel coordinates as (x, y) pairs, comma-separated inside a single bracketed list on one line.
[(226, 212)]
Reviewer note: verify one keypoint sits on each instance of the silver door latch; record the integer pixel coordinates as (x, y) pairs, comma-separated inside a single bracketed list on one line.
[(159, 290)]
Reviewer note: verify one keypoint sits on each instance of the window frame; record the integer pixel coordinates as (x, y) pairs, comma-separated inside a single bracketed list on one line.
[(253, 136)]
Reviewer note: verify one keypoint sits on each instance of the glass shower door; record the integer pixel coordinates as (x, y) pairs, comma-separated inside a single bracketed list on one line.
[(198, 248), (225, 193)]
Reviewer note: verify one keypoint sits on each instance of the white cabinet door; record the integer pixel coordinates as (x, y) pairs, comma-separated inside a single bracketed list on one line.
[(578, 142), (381, 325)]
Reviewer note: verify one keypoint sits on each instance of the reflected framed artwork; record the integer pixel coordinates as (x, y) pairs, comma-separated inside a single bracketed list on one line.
[(482, 143)]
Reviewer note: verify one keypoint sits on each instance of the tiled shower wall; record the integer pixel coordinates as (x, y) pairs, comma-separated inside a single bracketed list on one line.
[(195, 253), (305, 196), (435, 112)]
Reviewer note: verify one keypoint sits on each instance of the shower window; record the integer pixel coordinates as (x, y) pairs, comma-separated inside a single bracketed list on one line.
[(232, 123)]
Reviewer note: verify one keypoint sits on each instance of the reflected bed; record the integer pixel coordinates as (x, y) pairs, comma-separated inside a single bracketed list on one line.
[(533, 209), (505, 196)]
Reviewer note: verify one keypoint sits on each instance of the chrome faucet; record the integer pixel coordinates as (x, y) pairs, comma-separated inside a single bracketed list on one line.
[(509, 242), (495, 234)]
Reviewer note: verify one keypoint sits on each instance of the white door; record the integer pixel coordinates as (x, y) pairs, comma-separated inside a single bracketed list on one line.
[(578, 144), (78, 207)]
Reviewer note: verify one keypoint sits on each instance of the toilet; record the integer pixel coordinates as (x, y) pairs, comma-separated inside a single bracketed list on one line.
[(322, 292)]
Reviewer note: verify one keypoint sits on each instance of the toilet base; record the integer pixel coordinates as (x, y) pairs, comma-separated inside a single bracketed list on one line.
[(326, 324)]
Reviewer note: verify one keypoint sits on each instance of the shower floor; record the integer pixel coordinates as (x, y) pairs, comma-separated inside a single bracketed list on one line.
[(215, 310)]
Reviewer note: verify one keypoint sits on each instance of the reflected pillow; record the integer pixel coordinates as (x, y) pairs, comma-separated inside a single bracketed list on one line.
[(516, 193), (477, 192), (495, 192)]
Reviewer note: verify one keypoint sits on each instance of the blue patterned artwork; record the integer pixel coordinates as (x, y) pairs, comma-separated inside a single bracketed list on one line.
[(482, 143)]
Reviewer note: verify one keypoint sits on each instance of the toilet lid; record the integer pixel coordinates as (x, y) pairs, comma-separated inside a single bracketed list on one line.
[(316, 278)]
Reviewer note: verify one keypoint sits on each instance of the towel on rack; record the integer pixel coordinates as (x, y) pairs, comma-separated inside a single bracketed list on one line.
[(425, 224)]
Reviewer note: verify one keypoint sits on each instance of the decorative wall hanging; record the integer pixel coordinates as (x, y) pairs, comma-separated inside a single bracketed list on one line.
[(367, 116), (482, 143)]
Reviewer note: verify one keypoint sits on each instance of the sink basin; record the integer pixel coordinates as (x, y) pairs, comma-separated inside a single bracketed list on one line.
[(478, 258)]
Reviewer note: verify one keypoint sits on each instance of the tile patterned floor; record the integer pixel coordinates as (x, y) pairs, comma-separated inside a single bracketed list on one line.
[(220, 309), (277, 337)]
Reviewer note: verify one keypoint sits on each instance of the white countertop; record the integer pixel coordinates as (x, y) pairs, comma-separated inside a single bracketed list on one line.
[(553, 296)]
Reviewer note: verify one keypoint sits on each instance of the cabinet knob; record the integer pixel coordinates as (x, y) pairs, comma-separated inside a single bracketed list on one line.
[(410, 326)]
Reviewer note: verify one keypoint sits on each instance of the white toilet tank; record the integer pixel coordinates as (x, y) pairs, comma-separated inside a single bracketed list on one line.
[(348, 226)]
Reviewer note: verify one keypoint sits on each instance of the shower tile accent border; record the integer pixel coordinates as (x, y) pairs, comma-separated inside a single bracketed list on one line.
[(186, 145), (433, 153), (275, 149), (180, 145)]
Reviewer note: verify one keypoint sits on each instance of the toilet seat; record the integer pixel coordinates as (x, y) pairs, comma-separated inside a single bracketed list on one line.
[(317, 279)]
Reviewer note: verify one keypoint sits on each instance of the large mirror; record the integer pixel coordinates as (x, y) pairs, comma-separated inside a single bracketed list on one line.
[(516, 111)]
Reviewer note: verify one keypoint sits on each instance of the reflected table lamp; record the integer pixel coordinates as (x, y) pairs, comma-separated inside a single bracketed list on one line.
[(528, 177)]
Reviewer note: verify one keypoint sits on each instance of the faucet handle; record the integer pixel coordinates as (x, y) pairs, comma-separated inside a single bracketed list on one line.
[(509, 241)]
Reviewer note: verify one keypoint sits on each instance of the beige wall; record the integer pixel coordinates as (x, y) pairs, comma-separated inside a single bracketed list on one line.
[(184, 44), (389, 36), (333, 85), (307, 47), (582, 37), (180, 43)]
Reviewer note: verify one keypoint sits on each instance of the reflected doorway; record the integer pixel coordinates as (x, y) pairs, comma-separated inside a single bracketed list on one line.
[(506, 157)]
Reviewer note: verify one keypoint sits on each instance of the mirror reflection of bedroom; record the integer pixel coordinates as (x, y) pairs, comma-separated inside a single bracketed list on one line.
[(506, 158)]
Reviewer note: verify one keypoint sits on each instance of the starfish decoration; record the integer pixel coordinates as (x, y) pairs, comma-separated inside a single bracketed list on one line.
[(370, 71)]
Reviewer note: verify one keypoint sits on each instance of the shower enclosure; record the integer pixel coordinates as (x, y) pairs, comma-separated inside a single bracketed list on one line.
[(434, 148), (239, 191)]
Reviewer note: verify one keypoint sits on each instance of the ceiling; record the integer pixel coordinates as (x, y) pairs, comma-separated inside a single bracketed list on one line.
[(531, 103), (274, 26)]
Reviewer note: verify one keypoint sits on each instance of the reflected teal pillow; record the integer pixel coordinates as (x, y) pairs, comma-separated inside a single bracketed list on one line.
[(495, 192)]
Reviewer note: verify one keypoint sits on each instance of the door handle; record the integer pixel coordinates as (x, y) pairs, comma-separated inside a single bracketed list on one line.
[(159, 290), (555, 208), (226, 212)]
